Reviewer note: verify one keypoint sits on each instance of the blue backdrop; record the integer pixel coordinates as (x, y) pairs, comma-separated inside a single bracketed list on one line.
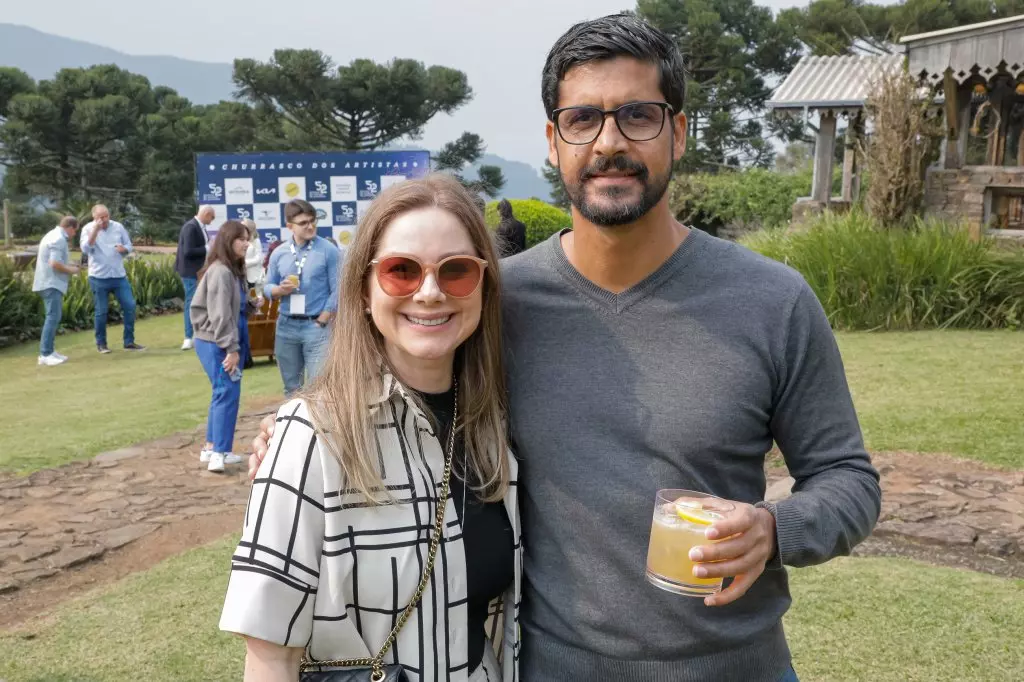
[(340, 185)]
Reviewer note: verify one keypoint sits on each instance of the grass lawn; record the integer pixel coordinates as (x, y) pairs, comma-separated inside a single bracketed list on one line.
[(95, 403), (853, 619), (957, 392), (953, 392)]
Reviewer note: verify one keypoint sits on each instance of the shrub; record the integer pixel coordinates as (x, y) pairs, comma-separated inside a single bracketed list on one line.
[(740, 201), (929, 275), (541, 219), (21, 309)]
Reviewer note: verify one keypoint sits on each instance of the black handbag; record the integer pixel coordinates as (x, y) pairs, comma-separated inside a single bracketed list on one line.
[(373, 669)]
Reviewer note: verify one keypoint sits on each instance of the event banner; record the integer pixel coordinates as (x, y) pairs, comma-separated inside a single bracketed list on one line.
[(339, 185)]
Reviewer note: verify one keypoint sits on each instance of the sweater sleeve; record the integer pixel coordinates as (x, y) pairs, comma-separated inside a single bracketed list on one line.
[(836, 495), (221, 309)]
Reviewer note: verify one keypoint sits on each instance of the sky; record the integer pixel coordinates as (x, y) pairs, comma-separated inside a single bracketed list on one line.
[(500, 44)]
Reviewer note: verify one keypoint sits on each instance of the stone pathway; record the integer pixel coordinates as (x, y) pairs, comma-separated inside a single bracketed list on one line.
[(58, 521)]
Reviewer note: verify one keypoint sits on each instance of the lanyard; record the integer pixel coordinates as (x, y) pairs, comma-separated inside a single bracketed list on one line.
[(299, 264)]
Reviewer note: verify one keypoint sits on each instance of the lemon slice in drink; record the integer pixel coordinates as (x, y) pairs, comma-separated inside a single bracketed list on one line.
[(694, 514)]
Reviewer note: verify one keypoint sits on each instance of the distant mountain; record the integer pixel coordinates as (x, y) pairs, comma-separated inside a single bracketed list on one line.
[(41, 55)]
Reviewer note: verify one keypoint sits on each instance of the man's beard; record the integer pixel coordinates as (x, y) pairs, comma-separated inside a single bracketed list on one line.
[(623, 211)]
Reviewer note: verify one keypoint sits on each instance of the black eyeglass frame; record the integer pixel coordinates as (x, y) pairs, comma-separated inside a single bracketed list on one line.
[(665, 107)]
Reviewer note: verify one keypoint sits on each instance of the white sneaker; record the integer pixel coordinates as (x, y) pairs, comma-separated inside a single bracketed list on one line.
[(204, 455), (50, 360), (186, 344), (61, 356), (218, 460)]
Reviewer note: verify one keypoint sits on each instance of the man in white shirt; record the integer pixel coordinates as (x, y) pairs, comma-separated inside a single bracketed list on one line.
[(106, 242), (53, 270)]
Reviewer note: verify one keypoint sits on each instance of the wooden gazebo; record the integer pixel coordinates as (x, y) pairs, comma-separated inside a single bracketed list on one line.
[(829, 88), (978, 70)]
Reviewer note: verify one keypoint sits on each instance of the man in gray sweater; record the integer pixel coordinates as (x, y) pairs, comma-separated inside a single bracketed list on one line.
[(645, 355)]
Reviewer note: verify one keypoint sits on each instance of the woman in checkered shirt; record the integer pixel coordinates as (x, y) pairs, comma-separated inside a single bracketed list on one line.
[(342, 508)]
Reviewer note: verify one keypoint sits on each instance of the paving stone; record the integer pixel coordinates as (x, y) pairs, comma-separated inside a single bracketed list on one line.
[(119, 537), (974, 493), (102, 496), (996, 546), (7, 586), (30, 575), (42, 493), (936, 533), (81, 518), (11, 493), (200, 511), (115, 456), (139, 500), (74, 556), (11, 541), (914, 514), (116, 504), (27, 553), (15, 483)]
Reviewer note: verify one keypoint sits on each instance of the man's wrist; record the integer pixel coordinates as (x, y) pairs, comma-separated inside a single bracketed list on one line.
[(771, 519)]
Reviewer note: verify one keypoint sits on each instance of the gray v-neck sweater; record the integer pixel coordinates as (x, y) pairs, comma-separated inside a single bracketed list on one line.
[(683, 381)]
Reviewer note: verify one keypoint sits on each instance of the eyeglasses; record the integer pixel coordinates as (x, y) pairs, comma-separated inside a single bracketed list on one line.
[(401, 276), (637, 121), (304, 223)]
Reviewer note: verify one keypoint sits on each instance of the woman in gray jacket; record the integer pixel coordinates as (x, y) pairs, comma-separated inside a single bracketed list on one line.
[(220, 332)]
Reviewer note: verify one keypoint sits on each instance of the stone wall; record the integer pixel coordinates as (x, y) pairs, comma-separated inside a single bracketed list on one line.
[(959, 194)]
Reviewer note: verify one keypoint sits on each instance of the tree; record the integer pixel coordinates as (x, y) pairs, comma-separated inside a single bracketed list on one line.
[(466, 150), (829, 27), (13, 82), (77, 131), (733, 48), (559, 197), (359, 107)]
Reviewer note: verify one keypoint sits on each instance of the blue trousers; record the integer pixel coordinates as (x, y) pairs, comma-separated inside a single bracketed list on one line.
[(223, 413), (122, 290), (191, 283), (53, 302), (789, 676), (299, 346)]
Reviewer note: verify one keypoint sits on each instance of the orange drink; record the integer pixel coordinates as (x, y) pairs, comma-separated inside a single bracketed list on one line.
[(680, 519)]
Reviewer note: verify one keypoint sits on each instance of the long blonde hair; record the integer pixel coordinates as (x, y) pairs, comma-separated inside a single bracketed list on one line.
[(350, 378)]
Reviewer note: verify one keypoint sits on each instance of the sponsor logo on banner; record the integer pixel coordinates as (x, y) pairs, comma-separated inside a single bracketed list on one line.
[(319, 192), (344, 213), (343, 188), (238, 190), (266, 191), (212, 194), (267, 215), (240, 212), (368, 189), (323, 212), (291, 188), (343, 236), (389, 180)]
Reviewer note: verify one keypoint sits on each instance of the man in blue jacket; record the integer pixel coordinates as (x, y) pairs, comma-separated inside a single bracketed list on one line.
[(193, 244)]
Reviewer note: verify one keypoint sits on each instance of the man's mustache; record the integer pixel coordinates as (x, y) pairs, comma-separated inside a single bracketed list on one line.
[(603, 164)]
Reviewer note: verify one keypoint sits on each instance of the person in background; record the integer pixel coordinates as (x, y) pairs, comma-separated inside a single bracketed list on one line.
[(511, 233), (411, 398), (253, 280), (106, 243), (303, 274), (219, 323), (193, 245), (53, 270)]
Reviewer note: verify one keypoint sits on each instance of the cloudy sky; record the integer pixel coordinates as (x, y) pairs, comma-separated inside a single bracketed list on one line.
[(499, 44)]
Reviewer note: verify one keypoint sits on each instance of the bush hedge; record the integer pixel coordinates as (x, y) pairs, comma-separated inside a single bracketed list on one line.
[(154, 285), (928, 275), (751, 199), (541, 219)]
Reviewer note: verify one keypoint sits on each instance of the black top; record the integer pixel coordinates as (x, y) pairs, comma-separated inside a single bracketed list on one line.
[(191, 249), (486, 534), (511, 237)]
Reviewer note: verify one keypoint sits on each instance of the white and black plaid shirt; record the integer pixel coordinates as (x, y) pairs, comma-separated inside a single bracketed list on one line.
[(318, 566)]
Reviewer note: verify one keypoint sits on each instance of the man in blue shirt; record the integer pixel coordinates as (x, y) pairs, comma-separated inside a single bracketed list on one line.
[(303, 275), (105, 242), (53, 270)]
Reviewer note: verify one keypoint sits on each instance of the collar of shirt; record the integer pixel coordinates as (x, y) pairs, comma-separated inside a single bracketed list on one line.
[(391, 387), (202, 228)]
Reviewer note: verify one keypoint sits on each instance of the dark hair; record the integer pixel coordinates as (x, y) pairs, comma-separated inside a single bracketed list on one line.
[(297, 207), (505, 209), (69, 221), (221, 251), (615, 35)]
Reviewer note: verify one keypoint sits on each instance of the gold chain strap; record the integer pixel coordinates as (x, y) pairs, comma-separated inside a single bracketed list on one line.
[(377, 662)]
